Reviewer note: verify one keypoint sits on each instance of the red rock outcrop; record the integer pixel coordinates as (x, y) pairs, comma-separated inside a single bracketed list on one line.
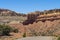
[(47, 23)]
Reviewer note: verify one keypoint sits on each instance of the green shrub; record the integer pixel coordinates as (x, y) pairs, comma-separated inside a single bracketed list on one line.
[(24, 35), (5, 30), (58, 38), (16, 30)]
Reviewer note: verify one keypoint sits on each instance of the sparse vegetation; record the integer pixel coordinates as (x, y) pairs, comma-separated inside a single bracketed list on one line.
[(16, 30), (58, 38), (24, 35), (5, 30)]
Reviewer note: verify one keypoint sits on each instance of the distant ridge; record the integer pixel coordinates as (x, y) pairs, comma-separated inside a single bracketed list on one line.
[(7, 12)]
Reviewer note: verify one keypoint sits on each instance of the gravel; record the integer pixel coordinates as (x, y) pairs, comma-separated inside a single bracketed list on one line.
[(39, 38)]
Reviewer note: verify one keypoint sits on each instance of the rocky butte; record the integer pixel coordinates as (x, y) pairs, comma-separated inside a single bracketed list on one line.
[(45, 23)]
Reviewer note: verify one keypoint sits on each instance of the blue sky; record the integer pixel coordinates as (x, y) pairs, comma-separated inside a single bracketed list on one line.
[(25, 6)]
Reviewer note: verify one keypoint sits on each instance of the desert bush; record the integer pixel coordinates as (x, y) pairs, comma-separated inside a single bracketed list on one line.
[(16, 30), (5, 30), (24, 35), (58, 38)]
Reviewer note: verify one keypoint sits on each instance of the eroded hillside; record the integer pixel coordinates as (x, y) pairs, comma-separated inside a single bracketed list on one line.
[(8, 16), (46, 23)]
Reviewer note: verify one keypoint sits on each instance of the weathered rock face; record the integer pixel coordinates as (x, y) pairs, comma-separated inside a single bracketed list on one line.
[(47, 23), (34, 16), (44, 28)]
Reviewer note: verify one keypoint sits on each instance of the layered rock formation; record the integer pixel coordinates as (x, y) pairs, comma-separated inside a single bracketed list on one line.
[(46, 23), (34, 16)]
